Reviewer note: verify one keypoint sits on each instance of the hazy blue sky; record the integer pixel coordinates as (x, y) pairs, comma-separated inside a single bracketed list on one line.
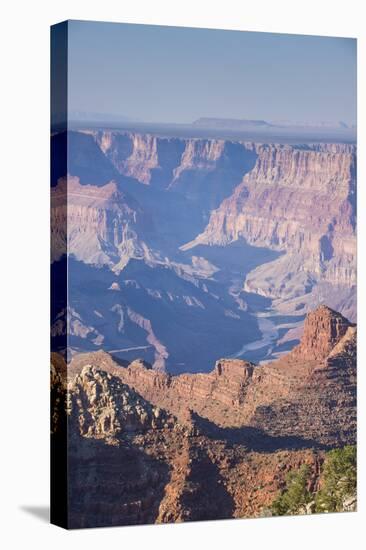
[(169, 74)]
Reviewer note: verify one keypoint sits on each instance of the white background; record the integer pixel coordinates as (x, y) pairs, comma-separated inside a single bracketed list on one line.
[(24, 170)]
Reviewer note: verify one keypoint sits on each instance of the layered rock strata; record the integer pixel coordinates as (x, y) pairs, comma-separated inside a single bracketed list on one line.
[(146, 447), (309, 394), (299, 201)]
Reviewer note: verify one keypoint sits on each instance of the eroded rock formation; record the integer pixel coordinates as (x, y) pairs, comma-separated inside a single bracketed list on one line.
[(148, 447), (309, 393), (99, 226), (201, 169), (300, 201), (141, 210)]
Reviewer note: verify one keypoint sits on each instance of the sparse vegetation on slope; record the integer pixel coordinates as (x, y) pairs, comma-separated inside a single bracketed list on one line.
[(334, 492), (338, 481), (295, 498)]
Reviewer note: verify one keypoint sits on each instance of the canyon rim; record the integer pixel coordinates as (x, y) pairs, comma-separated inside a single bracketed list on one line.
[(203, 274)]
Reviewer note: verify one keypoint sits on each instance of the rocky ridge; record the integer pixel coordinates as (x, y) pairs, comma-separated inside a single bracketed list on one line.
[(315, 383), (203, 446)]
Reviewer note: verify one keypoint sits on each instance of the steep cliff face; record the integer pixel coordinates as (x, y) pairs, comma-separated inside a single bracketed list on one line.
[(100, 225), (204, 170), (310, 392), (298, 200), (147, 158), (324, 329), (210, 170)]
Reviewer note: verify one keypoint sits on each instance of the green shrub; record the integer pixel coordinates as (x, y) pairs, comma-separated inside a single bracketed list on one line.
[(339, 479), (295, 496), (338, 484)]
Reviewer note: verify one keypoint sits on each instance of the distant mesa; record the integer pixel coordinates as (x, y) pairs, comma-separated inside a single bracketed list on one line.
[(230, 123)]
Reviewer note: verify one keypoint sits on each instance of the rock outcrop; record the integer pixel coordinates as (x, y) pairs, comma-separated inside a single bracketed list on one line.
[(103, 406), (111, 481), (324, 329)]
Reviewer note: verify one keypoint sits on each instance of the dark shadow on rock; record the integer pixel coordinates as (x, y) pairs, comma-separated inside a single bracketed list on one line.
[(254, 439), (112, 485), (40, 512), (204, 496)]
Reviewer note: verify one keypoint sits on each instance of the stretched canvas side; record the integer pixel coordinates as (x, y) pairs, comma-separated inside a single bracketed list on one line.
[(59, 335)]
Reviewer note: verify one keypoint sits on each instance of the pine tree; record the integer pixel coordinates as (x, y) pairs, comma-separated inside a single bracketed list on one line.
[(339, 479), (296, 496)]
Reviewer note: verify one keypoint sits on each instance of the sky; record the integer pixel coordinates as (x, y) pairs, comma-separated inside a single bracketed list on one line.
[(170, 74)]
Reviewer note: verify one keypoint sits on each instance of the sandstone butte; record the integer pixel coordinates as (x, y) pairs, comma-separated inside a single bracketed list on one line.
[(147, 447)]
